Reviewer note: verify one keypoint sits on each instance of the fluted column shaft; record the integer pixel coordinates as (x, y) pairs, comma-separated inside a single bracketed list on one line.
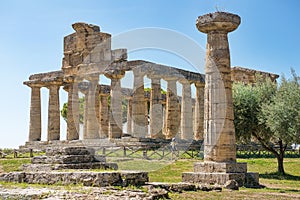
[(53, 113), (115, 112), (104, 116), (139, 117), (92, 120), (85, 115), (73, 112), (156, 112), (35, 127), (129, 115), (199, 112), (186, 112), (172, 109)]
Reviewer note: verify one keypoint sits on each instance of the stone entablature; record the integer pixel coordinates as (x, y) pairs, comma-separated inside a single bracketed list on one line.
[(247, 76)]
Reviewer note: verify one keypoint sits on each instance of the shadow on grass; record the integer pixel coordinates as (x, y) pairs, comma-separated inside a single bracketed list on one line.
[(276, 175)]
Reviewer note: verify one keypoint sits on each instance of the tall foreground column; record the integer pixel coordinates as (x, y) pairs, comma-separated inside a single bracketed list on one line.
[(35, 127), (199, 112), (53, 113), (219, 164), (186, 111), (218, 107)]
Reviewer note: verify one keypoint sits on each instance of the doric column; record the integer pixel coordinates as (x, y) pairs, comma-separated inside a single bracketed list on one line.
[(92, 120), (199, 111), (73, 110), (115, 112), (53, 113), (218, 107), (156, 112), (186, 111), (35, 127), (104, 116), (85, 114), (139, 117), (129, 115), (172, 109)]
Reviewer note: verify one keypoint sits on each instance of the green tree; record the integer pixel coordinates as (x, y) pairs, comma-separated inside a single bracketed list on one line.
[(282, 117), (268, 113)]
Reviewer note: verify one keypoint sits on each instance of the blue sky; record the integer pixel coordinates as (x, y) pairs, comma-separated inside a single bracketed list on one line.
[(31, 40)]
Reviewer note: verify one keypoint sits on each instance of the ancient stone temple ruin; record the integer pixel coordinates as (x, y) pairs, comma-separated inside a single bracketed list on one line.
[(87, 55), (209, 116)]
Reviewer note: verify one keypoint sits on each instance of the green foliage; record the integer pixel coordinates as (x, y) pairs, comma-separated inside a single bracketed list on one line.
[(269, 113), (64, 110), (248, 100), (282, 115)]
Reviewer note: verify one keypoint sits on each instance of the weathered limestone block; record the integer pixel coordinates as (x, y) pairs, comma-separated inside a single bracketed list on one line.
[(252, 180), (95, 179), (69, 151), (213, 178), (214, 167), (50, 167), (136, 178), (62, 159)]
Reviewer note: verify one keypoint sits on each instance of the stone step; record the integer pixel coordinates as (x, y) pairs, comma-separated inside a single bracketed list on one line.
[(243, 179), (49, 167), (69, 151), (68, 159), (95, 179)]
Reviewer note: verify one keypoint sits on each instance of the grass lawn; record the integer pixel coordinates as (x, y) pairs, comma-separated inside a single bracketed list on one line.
[(277, 187)]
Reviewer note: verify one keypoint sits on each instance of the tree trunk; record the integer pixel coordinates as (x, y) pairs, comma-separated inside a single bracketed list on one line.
[(280, 157), (280, 164)]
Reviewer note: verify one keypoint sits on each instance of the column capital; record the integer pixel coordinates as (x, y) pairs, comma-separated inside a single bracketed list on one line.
[(154, 77), (170, 78), (184, 81), (33, 84), (199, 84), (218, 22), (72, 79), (116, 74)]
